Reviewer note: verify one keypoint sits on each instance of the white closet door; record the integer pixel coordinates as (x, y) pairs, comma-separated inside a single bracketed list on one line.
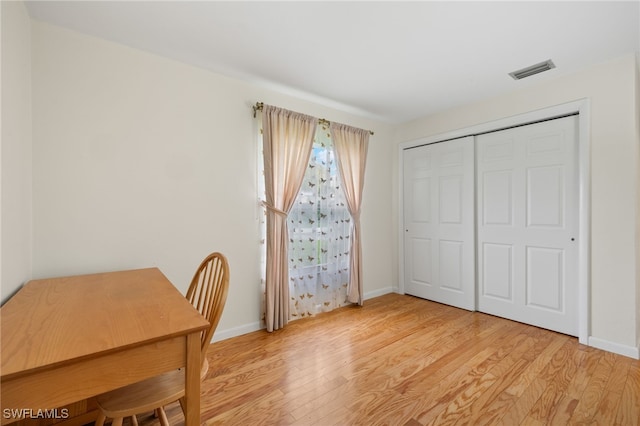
[(439, 222), (527, 199)]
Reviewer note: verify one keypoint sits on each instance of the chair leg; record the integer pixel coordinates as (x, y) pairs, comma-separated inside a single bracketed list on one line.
[(134, 420), (182, 401), (163, 417), (117, 421), (101, 418)]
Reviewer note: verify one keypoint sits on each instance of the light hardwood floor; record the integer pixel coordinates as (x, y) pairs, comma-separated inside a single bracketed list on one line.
[(401, 360)]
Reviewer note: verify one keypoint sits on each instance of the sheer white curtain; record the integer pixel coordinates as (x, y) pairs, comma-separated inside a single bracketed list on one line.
[(319, 224)]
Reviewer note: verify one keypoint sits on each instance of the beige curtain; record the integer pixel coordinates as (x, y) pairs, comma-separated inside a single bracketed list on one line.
[(287, 142), (351, 146)]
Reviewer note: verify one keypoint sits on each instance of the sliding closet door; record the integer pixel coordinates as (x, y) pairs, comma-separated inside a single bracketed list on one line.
[(527, 211), (439, 222)]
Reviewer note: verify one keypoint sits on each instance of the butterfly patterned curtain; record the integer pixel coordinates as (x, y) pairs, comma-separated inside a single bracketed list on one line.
[(319, 224)]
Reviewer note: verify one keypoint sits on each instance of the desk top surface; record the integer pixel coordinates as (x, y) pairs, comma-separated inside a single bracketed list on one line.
[(49, 322)]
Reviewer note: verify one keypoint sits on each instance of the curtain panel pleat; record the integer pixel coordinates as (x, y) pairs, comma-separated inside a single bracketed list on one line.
[(287, 142), (351, 145)]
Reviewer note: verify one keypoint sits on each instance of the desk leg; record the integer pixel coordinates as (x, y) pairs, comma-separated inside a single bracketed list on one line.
[(192, 381)]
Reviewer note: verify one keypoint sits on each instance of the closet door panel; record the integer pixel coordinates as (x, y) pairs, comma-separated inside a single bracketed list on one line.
[(439, 222), (527, 224)]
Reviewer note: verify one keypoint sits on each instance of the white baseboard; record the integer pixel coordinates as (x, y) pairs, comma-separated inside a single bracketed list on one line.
[(616, 348), (380, 292), (236, 331)]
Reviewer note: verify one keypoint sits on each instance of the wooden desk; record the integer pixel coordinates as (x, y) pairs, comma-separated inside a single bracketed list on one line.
[(67, 339)]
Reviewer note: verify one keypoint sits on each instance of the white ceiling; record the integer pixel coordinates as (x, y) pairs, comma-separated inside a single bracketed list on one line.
[(392, 61)]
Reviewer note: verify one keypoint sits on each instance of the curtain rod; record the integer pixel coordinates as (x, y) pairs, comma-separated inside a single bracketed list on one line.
[(259, 105)]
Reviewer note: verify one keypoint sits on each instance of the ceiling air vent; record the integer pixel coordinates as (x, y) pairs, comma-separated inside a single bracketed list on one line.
[(533, 69)]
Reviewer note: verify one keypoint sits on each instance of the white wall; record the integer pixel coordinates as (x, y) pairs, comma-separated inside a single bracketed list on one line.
[(143, 161), (614, 179), (15, 224)]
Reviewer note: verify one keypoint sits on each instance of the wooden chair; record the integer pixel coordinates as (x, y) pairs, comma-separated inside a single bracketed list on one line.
[(207, 293)]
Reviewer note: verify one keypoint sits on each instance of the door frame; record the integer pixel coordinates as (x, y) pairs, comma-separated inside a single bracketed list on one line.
[(580, 107)]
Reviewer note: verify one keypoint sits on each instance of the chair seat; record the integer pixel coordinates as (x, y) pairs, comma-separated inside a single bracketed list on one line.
[(146, 395)]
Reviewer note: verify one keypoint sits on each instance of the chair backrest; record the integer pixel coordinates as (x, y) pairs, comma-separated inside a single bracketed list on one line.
[(208, 293)]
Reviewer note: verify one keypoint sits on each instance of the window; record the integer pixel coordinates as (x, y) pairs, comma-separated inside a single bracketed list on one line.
[(319, 225)]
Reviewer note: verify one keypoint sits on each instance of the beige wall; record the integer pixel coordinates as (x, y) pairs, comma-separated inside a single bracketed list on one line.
[(610, 87), (637, 259), (143, 161), (15, 227), (139, 161)]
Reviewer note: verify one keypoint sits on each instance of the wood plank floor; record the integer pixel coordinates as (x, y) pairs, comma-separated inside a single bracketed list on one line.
[(401, 360)]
